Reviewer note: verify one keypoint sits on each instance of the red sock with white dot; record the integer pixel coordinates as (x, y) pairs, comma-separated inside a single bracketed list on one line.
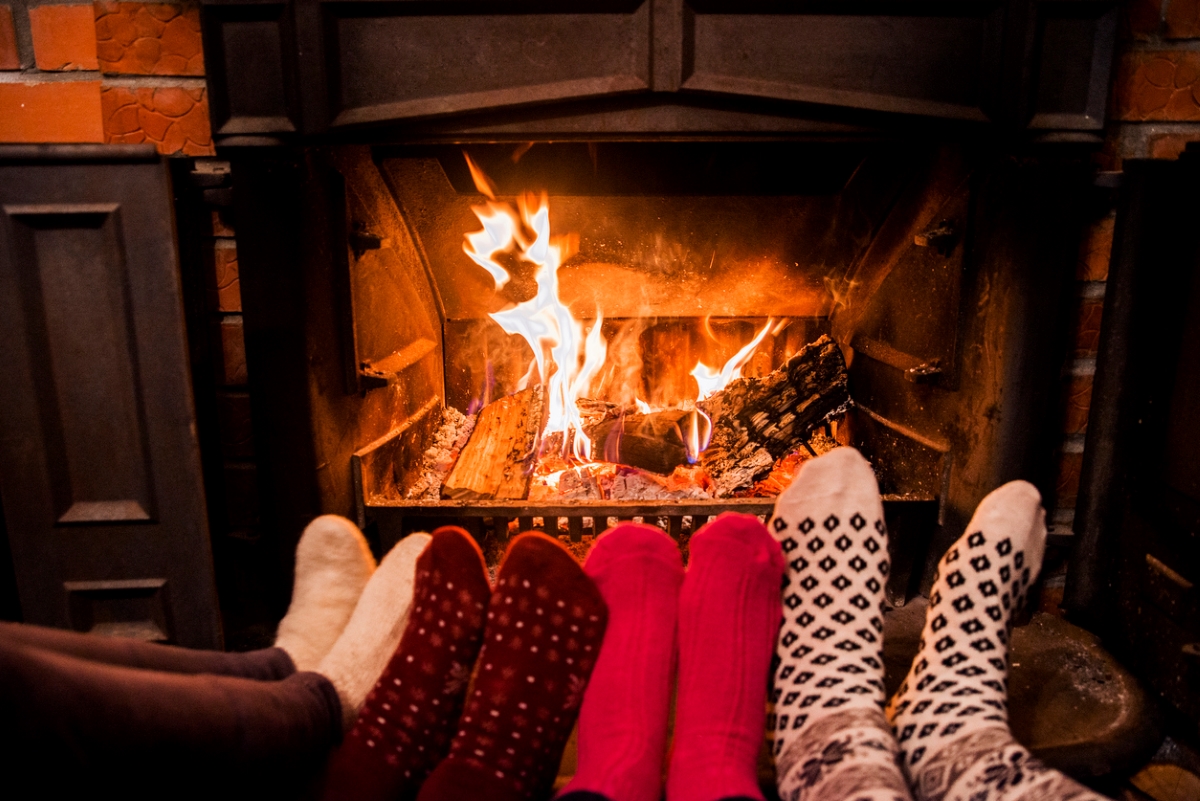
[(406, 724), (545, 625)]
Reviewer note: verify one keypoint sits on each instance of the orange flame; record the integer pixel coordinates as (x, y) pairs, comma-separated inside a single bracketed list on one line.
[(553, 334), (696, 434), (712, 381)]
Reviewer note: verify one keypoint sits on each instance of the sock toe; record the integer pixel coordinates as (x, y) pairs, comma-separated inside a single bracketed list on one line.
[(1018, 505), (630, 541), (333, 565), (732, 529), (838, 471)]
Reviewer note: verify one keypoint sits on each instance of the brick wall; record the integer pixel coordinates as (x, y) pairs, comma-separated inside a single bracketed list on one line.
[(104, 72), (1154, 112)]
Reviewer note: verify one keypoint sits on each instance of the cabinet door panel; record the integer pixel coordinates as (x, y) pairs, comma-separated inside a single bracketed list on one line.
[(99, 465)]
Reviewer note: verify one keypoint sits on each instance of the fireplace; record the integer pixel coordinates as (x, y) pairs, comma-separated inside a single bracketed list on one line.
[(910, 184)]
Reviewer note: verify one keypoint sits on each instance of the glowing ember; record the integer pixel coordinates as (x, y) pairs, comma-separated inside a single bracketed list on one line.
[(712, 381), (555, 337)]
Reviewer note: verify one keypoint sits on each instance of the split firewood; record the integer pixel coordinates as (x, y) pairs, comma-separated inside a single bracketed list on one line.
[(758, 420), (652, 441), (498, 459)]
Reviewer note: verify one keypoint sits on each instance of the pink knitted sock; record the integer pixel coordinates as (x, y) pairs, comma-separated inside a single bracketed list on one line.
[(729, 615), (623, 722)]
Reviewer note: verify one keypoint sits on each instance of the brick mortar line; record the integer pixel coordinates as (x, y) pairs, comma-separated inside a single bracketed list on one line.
[(31, 77)]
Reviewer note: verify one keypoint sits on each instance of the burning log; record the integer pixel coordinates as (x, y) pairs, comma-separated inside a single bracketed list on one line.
[(758, 420), (655, 441), (498, 460)]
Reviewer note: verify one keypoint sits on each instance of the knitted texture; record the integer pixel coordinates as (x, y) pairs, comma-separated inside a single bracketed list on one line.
[(832, 741), (370, 638), (406, 723), (950, 713), (333, 565), (729, 616), (623, 721)]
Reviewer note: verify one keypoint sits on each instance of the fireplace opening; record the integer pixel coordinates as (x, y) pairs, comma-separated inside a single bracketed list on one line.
[(924, 268)]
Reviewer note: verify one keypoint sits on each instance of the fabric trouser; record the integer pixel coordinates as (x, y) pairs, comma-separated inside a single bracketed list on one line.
[(83, 713)]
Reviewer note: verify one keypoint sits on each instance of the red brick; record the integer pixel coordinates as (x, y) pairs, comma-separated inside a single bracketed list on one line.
[(1087, 328), (1183, 19), (1095, 251), (62, 111), (149, 39), (1077, 398), (226, 284), (1158, 85), (174, 118), (1171, 146), (1070, 467), (10, 58), (64, 37)]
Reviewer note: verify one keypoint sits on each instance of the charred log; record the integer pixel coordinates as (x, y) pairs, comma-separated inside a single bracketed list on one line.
[(498, 459), (758, 420), (653, 441)]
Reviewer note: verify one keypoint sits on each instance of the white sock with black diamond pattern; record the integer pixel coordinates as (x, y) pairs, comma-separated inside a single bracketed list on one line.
[(832, 741), (950, 714)]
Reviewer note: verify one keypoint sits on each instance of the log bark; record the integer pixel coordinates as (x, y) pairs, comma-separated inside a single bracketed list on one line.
[(498, 460), (651, 441), (758, 420)]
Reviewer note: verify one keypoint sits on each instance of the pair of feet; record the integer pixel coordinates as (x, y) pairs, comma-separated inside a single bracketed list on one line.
[(710, 630), (481, 693), (944, 735)]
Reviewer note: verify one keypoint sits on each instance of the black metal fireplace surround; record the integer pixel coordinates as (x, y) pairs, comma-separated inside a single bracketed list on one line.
[(909, 178), (872, 124)]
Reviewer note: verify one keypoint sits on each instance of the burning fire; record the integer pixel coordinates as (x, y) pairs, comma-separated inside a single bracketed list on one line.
[(566, 360), (712, 381)]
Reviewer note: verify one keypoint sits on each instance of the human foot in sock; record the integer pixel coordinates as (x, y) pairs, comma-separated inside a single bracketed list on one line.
[(950, 714), (545, 623), (623, 721), (333, 564), (832, 741), (358, 657), (405, 726), (729, 615)]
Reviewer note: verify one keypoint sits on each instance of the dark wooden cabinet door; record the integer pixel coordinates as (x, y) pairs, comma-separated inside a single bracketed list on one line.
[(99, 463)]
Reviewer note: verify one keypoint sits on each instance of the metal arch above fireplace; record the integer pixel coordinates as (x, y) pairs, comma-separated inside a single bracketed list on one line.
[(443, 69)]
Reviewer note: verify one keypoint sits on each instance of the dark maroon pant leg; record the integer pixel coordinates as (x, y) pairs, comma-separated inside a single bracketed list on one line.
[(267, 664), (71, 725)]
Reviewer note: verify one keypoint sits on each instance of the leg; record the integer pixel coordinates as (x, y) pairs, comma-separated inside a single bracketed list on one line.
[(729, 613), (268, 664), (405, 725), (545, 623), (75, 725), (832, 741), (623, 721), (369, 639), (951, 714)]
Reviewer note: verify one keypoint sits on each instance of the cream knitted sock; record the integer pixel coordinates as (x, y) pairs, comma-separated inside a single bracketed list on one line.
[(333, 564), (370, 638)]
